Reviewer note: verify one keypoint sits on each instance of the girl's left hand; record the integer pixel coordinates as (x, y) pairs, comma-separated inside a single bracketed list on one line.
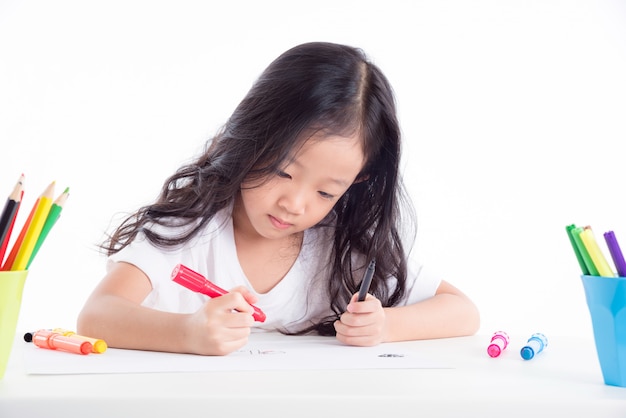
[(363, 323)]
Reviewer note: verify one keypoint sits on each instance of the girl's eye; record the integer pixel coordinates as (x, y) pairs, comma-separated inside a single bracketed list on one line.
[(282, 174), (327, 195)]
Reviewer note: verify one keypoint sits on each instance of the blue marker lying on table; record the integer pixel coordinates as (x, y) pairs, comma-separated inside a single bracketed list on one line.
[(535, 345)]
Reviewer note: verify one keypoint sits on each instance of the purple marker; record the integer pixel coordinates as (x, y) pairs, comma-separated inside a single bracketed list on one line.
[(499, 342), (616, 253)]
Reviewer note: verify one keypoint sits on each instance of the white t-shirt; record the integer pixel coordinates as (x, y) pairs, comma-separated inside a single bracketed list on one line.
[(297, 301)]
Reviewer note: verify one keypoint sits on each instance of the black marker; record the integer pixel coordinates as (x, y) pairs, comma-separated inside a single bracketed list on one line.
[(367, 280)]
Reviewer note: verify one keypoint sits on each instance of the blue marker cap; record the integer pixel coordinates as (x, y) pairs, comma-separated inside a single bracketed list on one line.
[(535, 345), (527, 353)]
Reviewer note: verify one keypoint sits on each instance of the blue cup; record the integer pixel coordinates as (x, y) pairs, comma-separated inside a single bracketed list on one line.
[(606, 300)]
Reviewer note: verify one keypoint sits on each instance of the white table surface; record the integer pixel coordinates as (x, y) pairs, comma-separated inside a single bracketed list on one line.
[(564, 380)]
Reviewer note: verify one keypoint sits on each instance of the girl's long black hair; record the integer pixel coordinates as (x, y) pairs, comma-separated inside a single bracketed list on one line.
[(313, 86)]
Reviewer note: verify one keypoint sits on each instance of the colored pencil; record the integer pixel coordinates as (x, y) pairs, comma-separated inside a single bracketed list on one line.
[(40, 209), (53, 216), (9, 213), (16, 245)]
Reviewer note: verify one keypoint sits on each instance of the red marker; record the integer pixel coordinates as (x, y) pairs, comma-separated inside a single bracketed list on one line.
[(54, 341), (193, 280)]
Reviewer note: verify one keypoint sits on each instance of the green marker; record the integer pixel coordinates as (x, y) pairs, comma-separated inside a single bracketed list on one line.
[(583, 251), (579, 256)]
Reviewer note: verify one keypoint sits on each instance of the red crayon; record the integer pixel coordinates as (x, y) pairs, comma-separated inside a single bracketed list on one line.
[(193, 280)]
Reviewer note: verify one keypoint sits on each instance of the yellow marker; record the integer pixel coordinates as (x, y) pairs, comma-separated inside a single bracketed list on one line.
[(98, 345), (588, 239)]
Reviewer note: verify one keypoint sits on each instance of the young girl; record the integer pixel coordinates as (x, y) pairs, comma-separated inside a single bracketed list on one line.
[(286, 208)]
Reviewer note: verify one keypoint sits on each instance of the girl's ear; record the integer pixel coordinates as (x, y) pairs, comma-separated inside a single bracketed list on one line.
[(361, 178)]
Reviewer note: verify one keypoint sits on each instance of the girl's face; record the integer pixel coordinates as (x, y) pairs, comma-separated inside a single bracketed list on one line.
[(302, 192)]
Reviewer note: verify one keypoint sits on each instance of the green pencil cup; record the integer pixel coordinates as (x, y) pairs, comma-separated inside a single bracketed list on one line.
[(11, 288), (606, 300)]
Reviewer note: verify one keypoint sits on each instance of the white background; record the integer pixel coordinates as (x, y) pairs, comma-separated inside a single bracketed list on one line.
[(513, 116)]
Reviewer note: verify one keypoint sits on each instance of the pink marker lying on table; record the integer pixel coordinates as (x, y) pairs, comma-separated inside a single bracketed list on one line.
[(499, 341), (195, 281)]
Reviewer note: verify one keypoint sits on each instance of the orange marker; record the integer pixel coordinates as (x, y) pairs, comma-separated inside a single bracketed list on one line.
[(54, 341), (97, 345)]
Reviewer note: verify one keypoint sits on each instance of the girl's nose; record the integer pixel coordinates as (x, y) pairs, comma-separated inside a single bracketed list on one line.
[(293, 202)]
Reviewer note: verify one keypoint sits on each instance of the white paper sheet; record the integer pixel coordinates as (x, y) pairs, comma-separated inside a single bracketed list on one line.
[(263, 352)]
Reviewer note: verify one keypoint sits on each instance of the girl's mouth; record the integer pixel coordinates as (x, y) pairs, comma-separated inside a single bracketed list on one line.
[(278, 223)]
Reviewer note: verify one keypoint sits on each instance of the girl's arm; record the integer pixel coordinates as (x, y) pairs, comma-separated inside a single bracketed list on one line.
[(114, 313), (449, 313)]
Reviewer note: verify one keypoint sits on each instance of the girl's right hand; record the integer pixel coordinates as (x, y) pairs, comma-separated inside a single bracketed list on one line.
[(114, 313), (223, 324)]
